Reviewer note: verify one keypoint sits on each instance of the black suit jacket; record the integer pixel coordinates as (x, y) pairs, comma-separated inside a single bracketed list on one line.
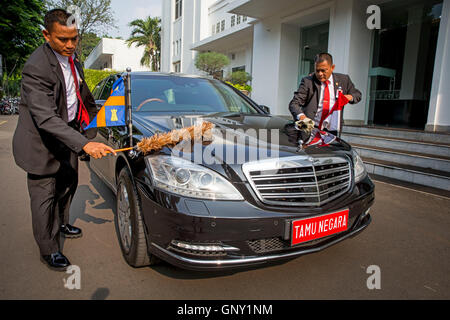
[(306, 99), (43, 137)]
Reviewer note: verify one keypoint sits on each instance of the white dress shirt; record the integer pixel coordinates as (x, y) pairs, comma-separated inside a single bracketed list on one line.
[(71, 93), (332, 98)]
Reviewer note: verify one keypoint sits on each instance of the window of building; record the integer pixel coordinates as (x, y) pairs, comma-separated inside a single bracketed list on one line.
[(401, 70), (178, 8), (314, 40), (213, 29), (238, 19), (244, 18), (241, 68), (222, 27), (233, 20), (177, 66), (218, 27)]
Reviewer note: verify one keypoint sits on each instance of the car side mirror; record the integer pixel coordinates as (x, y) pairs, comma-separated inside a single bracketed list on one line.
[(98, 106), (266, 109)]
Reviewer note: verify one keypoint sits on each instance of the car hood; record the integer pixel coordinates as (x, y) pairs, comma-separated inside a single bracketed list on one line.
[(246, 137)]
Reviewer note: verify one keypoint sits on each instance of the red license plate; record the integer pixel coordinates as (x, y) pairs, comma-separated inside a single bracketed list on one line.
[(318, 227)]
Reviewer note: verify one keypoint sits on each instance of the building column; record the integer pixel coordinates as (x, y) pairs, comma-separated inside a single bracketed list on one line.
[(439, 109), (275, 64), (349, 43), (189, 21), (266, 59), (166, 36)]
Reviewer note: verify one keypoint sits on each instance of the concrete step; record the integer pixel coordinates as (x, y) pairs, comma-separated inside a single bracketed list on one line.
[(439, 163), (431, 149), (415, 135), (408, 173)]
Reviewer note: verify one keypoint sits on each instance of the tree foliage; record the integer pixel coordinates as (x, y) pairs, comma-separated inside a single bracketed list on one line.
[(147, 33), (211, 62), (93, 77), (20, 33), (96, 16), (239, 77), (90, 40)]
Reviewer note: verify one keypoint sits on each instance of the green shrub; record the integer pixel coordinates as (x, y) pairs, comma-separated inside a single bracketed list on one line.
[(239, 77), (211, 62), (240, 86), (93, 77)]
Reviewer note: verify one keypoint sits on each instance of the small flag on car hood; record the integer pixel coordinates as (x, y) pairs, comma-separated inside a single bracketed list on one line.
[(113, 111)]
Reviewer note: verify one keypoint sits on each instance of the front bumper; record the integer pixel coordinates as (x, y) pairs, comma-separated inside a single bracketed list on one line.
[(261, 235)]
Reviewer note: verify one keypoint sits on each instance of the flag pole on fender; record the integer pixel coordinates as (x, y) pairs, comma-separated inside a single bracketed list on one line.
[(127, 81)]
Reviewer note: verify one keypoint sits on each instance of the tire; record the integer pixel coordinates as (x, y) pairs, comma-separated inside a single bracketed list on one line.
[(129, 224)]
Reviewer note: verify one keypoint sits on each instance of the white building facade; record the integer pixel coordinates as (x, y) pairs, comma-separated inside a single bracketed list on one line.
[(114, 54), (402, 68)]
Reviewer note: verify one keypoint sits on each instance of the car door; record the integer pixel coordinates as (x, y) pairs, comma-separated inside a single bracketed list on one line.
[(103, 166)]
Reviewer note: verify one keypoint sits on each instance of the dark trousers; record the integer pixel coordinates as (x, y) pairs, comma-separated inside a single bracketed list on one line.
[(50, 198)]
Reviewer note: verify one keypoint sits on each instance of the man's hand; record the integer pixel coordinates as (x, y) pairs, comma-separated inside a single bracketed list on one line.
[(98, 150), (304, 124), (349, 97)]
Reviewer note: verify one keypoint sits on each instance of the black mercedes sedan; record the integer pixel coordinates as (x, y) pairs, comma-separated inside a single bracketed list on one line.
[(249, 195)]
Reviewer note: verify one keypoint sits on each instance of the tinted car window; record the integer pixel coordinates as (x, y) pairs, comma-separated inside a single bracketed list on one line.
[(98, 89), (107, 88), (183, 94)]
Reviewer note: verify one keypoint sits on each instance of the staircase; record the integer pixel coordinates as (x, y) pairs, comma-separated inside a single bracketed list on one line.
[(408, 155)]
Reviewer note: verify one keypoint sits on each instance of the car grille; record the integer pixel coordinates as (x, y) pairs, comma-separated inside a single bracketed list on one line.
[(299, 181), (276, 244), (267, 245)]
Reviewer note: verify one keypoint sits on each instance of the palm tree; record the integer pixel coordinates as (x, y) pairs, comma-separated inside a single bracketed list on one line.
[(147, 33)]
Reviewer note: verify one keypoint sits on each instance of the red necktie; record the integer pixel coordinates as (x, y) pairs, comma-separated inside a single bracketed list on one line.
[(83, 116), (326, 103)]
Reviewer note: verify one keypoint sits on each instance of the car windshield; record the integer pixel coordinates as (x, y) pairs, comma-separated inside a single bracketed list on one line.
[(173, 94)]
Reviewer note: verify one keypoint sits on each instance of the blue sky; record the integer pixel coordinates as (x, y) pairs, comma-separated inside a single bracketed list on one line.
[(126, 11)]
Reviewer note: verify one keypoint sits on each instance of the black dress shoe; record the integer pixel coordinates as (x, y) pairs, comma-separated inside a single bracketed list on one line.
[(56, 261), (69, 231)]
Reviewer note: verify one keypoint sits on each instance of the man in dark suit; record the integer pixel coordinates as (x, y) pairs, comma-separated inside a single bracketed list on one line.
[(55, 104), (318, 92)]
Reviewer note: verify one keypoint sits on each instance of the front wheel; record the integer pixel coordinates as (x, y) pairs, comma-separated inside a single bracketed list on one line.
[(129, 223)]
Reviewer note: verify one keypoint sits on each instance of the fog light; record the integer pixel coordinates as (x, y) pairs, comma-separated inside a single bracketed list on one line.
[(203, 247)]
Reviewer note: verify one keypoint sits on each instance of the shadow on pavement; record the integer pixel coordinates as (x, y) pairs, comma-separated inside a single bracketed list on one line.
[(85, 193), (100, 294)]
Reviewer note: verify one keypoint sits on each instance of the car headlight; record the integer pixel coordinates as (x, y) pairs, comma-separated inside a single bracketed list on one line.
[(358, 167), (188, 179)]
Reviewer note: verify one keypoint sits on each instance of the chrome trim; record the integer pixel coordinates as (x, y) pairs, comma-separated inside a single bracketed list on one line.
[(308, 162), (243, 261), (287, 185), (282, 176), (291, 195), (222, 246)]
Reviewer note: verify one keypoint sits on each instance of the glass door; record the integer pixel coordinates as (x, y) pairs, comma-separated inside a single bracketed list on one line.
[(401, 70), (313, 40)]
